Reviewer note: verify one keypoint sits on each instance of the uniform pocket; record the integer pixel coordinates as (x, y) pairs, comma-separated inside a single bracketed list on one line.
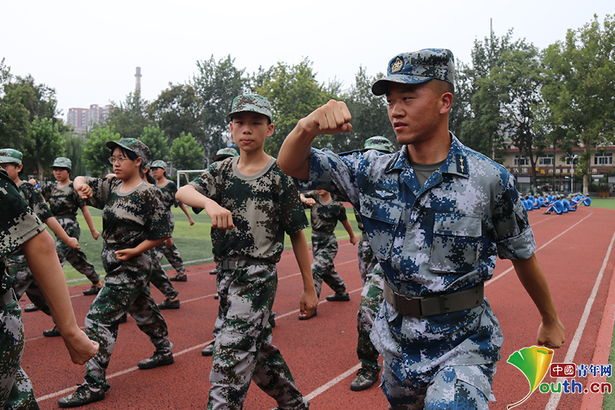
[(456, 243), (381, 213)]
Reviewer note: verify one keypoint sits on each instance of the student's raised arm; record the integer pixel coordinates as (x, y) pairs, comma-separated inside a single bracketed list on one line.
[(294, 156), (221, 218)]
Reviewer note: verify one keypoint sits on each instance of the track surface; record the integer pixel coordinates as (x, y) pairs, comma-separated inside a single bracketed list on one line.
[(574, 251)]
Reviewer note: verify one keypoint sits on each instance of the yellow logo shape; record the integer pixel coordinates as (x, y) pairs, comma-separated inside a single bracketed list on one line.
[(397, 65), (534, 363)]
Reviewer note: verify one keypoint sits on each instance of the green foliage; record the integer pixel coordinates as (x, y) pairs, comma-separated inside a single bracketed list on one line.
[(45, 144), (186, 152), (96, 154), (130, 117), (73, 149), (580, 74), (369, 115), (177, 110), (293, 93), (154, 138), (215, 86)]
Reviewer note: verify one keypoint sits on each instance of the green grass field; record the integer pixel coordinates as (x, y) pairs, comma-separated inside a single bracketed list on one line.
[(193, 242)]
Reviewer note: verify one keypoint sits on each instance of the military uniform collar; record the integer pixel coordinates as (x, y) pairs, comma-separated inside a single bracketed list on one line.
[(456, 161)]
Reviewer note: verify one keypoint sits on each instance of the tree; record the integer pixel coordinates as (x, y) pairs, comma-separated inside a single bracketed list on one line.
[(369, 115), (293, 93), (216, 85), (580, 79), (186, 152), (177, 110), (130, 117), (45, 145), (154, 138), (96, 154), (73, 150)]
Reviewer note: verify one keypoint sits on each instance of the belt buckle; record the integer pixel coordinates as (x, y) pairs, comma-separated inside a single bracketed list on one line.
[(415, 305)]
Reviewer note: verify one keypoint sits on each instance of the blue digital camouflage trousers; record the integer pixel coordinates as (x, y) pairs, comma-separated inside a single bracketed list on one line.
[(15, 386), (126, 289), (159, 276), (371, 299), (324, 249), (23, 281), (242, 348), (75, 257)]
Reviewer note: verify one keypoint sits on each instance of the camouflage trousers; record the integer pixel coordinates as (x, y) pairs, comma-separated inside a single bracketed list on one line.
[(242, 348), (75, 257), (452, 387), (324, 248), (23, 281), (159, 276), (126, 289), (175, 259), (15, 386), (371, 299)]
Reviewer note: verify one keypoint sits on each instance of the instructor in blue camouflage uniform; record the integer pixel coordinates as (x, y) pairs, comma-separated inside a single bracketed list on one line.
[(437, 214)]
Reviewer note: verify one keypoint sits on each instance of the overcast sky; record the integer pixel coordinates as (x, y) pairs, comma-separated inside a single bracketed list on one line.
[(88, 51)]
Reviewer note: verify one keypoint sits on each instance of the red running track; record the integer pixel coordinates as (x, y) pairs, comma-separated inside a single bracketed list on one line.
[(574, 251)]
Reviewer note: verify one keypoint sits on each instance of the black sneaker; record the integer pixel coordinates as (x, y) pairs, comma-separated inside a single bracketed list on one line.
[(272, 319), (157, 360), (209, 350), (123, 319), (179, 278), (339, 297), (31, 308), (92, 291), (84, 395), (167, 304), (51, 332), (366, 377)]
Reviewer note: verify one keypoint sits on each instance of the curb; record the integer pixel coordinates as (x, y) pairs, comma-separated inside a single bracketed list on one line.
[(603, 347)]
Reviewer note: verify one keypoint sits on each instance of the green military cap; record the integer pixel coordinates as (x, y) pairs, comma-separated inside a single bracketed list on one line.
[(251, 103), (225, 153), (134, 145), (62, 162), (418, 67), (158, 164), (10, 156), (378, 143)]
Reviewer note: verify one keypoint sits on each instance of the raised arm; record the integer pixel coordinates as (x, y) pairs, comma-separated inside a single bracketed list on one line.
[(221, 218), (43, 261), (294, 156), (551, 329), (309, 300)]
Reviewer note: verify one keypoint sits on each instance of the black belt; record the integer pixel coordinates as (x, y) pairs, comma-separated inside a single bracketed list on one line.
[(232, 264), (419, 306)]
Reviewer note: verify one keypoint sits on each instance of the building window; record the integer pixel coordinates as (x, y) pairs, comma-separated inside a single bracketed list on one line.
[(603, 159), (546, 160), (524, 161)]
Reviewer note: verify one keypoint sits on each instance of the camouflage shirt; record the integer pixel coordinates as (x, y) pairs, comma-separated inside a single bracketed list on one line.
[(35, 200), (63, 201), (324, 216), (438, 238), (263, 205), (18, 224), (129, 218), (168, 195)]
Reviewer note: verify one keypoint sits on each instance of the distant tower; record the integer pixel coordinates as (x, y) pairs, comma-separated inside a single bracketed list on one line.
[(138, 83)]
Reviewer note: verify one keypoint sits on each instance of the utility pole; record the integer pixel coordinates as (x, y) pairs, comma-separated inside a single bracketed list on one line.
[(138, 81)]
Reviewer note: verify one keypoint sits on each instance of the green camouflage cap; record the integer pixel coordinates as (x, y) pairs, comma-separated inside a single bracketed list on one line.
[(134, 145), (158, 164), (418, 67), (378, 143), (10, 156), (225, 153), (62, 162), (251, 103)]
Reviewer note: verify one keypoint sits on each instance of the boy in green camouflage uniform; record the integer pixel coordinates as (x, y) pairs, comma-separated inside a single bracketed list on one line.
[(324, 216), (251, 204), (20, 226), (64, 202), (134, 222), (22, 279)]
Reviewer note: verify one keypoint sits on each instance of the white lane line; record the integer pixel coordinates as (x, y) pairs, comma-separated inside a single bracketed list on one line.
[(333, 382), (572, 350)]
